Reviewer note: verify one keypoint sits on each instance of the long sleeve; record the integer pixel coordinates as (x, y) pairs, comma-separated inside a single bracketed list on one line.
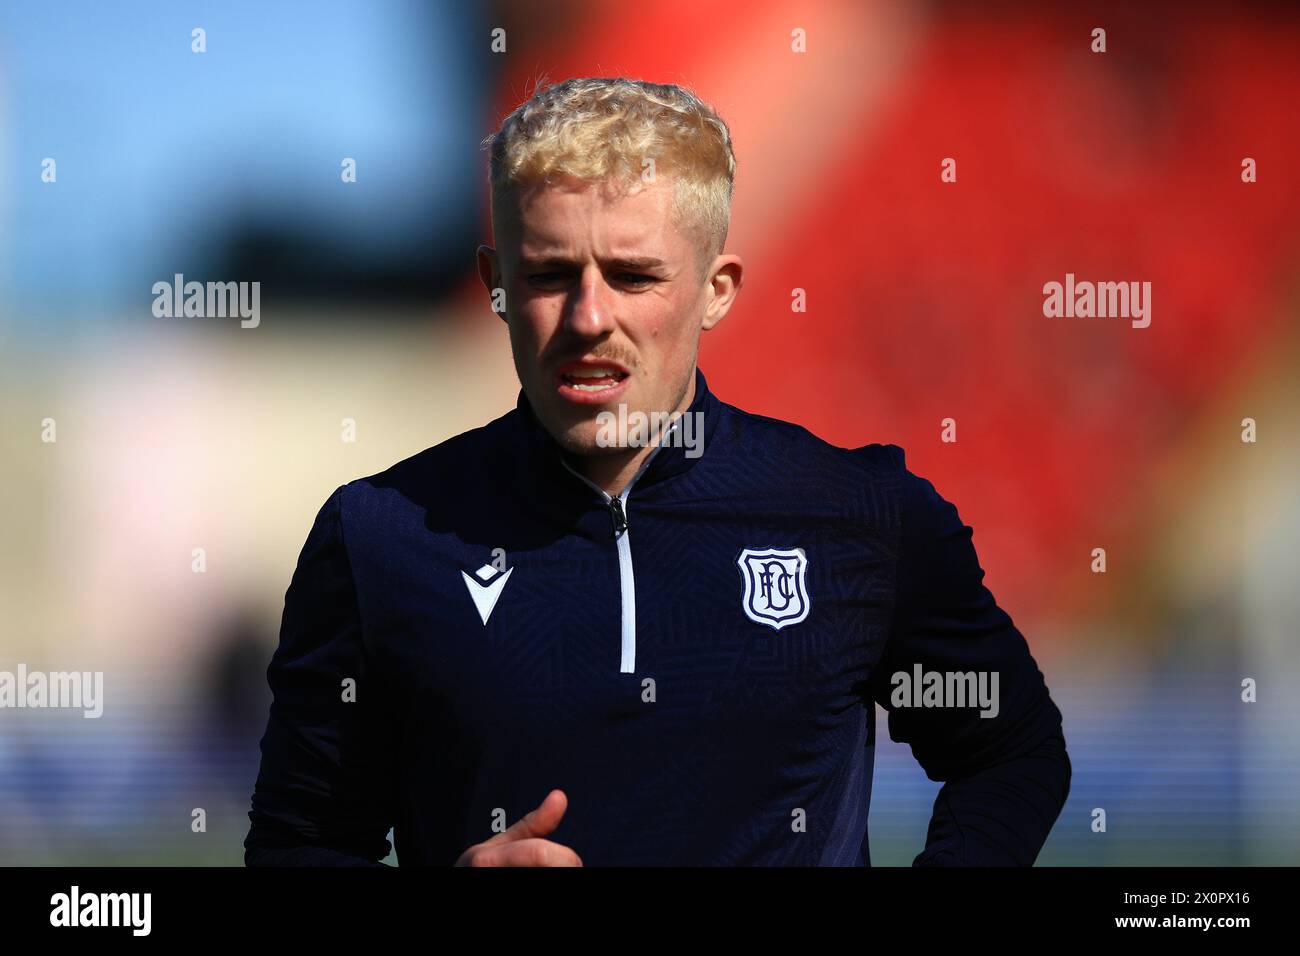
[(1005, 777), (323, 795)]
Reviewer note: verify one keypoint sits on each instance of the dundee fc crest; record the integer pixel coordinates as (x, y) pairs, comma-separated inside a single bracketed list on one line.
[(775, 592)]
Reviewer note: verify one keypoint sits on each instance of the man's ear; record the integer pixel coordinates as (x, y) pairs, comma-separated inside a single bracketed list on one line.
[(725, 277), (489, 273)]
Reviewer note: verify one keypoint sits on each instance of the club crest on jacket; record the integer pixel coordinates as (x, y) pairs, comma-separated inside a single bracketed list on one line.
[(775, 590)]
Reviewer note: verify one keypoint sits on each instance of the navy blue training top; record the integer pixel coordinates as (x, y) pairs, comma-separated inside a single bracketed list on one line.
[(695, 662)]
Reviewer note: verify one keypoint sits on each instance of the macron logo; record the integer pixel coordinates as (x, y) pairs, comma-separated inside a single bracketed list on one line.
[(485, 595)]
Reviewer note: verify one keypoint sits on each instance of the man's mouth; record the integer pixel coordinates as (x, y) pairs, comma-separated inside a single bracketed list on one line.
[(591, 381)]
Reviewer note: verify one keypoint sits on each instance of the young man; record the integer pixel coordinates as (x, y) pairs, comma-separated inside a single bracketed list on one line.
[(628, 623)]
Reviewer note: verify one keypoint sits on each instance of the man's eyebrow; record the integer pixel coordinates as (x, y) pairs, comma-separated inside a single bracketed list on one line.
[(618, 262)]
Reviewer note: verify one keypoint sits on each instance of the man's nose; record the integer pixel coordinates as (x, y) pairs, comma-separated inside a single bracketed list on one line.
[(588, 312)]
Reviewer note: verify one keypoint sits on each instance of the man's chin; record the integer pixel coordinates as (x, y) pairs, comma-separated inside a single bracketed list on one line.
[(584, 440)]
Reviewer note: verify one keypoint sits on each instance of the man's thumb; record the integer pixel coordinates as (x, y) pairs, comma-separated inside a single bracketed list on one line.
[(540, 821)]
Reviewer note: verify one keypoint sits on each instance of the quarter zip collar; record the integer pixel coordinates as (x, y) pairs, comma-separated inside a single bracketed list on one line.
[(668, 459), (556, 485)]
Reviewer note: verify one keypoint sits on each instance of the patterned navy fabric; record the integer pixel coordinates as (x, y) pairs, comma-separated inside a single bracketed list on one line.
[(743, 733)]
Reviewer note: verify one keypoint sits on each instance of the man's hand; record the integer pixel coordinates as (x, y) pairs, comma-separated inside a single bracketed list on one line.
[(522, 844)]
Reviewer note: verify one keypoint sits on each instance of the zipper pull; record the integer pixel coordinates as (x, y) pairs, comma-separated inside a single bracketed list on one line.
[(616, 512)]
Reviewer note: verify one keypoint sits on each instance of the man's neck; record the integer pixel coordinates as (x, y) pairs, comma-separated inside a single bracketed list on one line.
[(614, 473)]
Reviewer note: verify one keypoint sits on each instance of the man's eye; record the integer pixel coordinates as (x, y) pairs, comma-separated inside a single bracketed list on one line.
[(636, 279)]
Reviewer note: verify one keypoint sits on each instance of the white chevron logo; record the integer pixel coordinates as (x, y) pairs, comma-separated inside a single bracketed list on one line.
[(486, 595)]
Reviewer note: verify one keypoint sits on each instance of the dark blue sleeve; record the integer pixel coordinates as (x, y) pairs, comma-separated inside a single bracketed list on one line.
[(1006, 777), (323, 791)]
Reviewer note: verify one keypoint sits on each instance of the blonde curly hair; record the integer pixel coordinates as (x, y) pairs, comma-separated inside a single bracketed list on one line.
[(606, 128)]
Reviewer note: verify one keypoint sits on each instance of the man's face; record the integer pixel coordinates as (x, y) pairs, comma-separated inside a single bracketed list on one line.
[(605, 300)]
